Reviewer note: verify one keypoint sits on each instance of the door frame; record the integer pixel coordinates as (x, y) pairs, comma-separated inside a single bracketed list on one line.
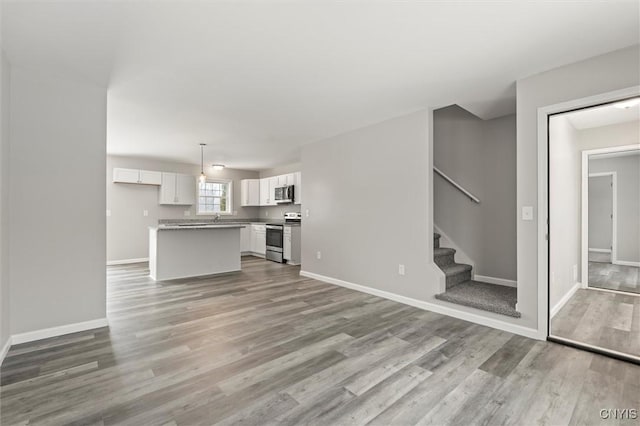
[(543, 238), (584, 247)]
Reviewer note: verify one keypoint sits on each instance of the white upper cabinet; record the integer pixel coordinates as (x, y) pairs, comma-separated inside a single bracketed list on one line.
[(289, 179), (250, 192), (148, 177), (274, 182), (268, 186), (145, 177), (178, 189), (297, 192), (265, 188)]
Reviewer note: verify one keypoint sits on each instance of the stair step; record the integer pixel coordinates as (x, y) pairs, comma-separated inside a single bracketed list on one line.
[(487, 297), (456, 273), (444, 256)]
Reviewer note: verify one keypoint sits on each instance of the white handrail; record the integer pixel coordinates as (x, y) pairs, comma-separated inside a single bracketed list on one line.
[(457, 185)]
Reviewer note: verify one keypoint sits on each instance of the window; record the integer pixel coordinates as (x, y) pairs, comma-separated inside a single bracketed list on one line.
[(214, 197)]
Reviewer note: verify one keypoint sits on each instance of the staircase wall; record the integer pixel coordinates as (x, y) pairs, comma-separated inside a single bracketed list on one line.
[(481, 156)]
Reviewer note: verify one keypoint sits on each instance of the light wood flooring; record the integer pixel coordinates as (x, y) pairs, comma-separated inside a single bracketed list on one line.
[(614, 277), (604, 319), (266, 346)]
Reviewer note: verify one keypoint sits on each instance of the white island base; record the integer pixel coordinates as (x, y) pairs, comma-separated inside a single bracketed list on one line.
[(176, 252)]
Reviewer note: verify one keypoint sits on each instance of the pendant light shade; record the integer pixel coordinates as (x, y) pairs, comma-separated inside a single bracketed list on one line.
[(203, 177)]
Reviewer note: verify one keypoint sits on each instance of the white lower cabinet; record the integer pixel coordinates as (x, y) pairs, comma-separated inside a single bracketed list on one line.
[(259, 239), (291, 243), (245, 239), (286, 255)]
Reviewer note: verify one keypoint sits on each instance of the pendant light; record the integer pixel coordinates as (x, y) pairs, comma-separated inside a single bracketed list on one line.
[(203, 177)]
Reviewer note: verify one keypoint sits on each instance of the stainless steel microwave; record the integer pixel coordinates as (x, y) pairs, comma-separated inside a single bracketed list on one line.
[(284, 194)]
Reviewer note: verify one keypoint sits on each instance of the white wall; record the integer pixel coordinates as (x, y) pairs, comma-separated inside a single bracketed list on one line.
[(628, 203), (480, 155), (127, 228), (5, 331), (564, 200), (367, 192), (57, 201), (601, 74)]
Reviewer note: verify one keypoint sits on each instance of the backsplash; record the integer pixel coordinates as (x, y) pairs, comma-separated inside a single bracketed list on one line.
[(277, 212)]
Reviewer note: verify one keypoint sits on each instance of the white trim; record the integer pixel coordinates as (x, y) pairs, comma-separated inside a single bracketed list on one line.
[(565, 299), (498, 281), (46, 333), (597, 250), (5, 350), (433, 307), (543, 196), (127, 261), (614, 206), (585, 205), (626, 263)]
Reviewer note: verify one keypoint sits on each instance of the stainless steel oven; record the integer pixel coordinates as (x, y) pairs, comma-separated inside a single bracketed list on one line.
[(275, 240)]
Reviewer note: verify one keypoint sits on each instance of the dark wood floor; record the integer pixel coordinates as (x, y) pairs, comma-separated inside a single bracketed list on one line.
[(600, 318), (265, 346)]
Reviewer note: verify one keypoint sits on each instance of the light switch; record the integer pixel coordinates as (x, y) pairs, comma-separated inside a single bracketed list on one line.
[(307, 212), (145, 212), (527, 213), (108, 213)]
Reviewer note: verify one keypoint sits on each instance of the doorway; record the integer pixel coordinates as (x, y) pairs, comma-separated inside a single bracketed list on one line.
[(593, 294), (601, 217)]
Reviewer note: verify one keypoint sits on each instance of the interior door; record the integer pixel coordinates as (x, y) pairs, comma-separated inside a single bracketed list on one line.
[(600, 212)]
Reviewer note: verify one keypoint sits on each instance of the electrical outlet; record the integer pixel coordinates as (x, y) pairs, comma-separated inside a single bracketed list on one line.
[(401, 269), (575, 273), (307, 213), (319, 255), (145, 212), (266, 213), (527, 213), (187, 212)]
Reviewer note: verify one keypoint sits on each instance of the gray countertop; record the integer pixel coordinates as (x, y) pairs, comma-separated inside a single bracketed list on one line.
[(175, 227), (205, 223)]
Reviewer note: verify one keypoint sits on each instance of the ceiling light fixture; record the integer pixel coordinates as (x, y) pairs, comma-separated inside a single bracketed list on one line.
[(218, 166), (203, 177), (628, 103)]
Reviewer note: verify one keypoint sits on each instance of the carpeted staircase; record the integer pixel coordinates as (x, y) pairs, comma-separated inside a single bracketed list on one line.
[(461, 290)]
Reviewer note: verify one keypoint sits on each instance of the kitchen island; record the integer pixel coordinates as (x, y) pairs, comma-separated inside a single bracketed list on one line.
[(182, 251)]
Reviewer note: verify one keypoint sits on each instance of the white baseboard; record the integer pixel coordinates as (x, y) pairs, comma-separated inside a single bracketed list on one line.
[(127, 261), (597, 250), (31, 336), (626, 263), (565, 299), (498, 281), (433, 307), (5, 350)]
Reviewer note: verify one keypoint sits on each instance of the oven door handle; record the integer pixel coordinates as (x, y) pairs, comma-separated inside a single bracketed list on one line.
[(275, 227)]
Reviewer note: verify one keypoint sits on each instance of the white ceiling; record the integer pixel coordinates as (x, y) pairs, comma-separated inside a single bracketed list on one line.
[(256, 80), (604, 115)]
